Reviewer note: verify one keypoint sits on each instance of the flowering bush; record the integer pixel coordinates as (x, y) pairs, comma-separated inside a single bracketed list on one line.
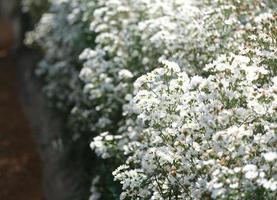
[(203, 137), (132, 36), (188, 132)]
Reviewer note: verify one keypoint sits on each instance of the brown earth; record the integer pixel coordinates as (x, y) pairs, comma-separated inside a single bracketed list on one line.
[(20, 165)]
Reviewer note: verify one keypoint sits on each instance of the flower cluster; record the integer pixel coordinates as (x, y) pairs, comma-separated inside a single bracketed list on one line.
[(61, 34), (213, 136), (131, 36)]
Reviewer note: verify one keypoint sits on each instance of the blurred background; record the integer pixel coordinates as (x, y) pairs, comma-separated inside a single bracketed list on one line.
[(24, 118), (20, 163), (30, 168), (17, 17)]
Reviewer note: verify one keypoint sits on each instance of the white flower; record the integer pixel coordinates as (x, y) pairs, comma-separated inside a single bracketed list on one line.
[(86, 73), (251, 174), (249, 167), (125, 74), (87, 54), (171, 65), (270, 156)]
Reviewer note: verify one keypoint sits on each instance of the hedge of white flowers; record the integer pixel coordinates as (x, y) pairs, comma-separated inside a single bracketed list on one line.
[(178, 97)]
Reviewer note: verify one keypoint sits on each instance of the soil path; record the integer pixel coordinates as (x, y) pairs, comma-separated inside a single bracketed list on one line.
[(20, 165)]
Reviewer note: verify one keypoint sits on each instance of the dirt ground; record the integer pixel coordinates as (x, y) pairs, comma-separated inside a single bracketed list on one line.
[(20, 165)]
